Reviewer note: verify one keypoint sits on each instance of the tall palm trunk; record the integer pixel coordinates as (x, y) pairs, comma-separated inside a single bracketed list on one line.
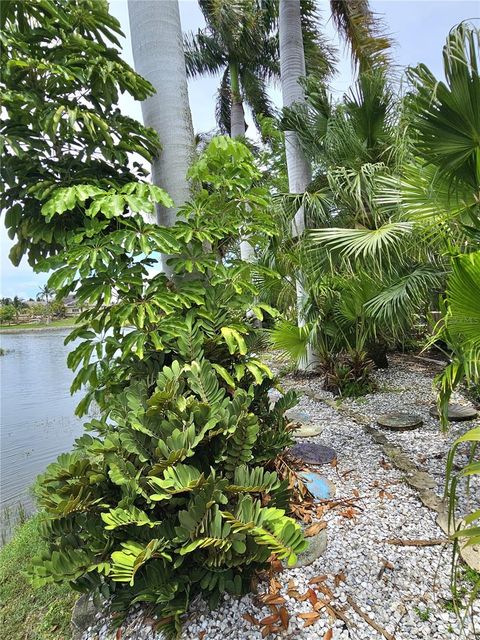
[(237, 116), (157, 45), (292, 68), (237, 130)]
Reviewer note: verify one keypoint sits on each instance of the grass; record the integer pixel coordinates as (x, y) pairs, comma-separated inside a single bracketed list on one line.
[(27, 613), (423, 614), (63, 322)]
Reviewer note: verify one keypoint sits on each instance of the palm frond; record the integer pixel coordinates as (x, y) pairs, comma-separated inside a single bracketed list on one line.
[(255, 93), (292, 340), (406, 295), (447, 117), (363, 31), (203, 54)]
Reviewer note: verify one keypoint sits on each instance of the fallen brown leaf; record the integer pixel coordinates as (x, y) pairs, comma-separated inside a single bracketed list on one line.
[(276, 566), (328, 635), (266, 631), (325, 590), (269, 620), (349, 512), (284, 617), (315, 528), (201, 635), (308, 618), (312, 596), (356, 492), (296, 595), (118, 635), (273, 598), (318, 579), (249, 618), (274, 586)]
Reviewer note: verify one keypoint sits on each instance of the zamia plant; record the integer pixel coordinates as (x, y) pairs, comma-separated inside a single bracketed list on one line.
[(166, 496)]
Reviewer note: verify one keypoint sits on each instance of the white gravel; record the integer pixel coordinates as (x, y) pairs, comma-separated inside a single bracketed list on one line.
[(408, 600)]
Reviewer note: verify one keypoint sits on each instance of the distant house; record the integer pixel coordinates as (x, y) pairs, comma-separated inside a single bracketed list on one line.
[(72, 307)]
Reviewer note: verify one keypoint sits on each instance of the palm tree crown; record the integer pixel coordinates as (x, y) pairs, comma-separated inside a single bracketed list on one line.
[(240, 42)]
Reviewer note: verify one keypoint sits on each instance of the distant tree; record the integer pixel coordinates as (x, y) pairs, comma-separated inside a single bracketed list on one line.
[(7, 313), (45, 293), (18, 304), (57, 309), (240, 42)]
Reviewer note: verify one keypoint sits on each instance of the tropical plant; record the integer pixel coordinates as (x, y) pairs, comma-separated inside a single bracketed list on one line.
[(18, 304), (62, 75), (439, 190), (366, 282), (167, 497), (45, 293)]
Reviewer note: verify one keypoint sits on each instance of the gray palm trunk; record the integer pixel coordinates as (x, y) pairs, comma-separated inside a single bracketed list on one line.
[(237, 120), (157, 45), (237, 129), (292, 69)]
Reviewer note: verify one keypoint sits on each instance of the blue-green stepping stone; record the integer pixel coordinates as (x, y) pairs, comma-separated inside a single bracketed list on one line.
[(320, 488)]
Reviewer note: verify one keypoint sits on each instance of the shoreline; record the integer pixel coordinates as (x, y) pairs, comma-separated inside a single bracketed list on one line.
[(12, 329)]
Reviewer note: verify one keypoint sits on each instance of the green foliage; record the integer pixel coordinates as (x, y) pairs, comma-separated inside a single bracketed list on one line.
[(165, 496), (440, 190), (62, 76), (7, 313)]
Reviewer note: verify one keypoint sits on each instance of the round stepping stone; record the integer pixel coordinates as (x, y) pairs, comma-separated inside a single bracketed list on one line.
[(456, 412), (312, 453), (399, 421), (308, 430)]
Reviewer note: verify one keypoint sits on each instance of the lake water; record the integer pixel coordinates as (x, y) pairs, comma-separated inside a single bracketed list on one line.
[(36, 409)]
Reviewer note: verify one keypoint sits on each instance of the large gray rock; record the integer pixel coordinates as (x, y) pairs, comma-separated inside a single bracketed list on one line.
[(316, 547)]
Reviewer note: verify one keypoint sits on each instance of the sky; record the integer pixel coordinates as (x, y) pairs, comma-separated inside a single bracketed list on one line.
[(418, 27)]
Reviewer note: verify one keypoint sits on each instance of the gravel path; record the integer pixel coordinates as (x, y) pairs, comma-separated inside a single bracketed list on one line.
[(403, 589)]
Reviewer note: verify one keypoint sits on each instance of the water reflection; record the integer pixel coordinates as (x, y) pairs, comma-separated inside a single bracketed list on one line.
[(36, 409)]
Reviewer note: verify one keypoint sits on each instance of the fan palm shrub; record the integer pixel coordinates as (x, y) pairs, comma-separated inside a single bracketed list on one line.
[(439, 191), (370, 274)]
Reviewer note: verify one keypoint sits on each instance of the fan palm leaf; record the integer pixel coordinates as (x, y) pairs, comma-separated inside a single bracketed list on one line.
[(357, 243)]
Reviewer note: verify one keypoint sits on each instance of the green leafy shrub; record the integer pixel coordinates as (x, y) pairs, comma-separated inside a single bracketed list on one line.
[(166, 496)]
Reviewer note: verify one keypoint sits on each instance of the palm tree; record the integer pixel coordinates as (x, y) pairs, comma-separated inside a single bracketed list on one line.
[(238, 42), (158, 55), (45, 293), (18, 304)]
